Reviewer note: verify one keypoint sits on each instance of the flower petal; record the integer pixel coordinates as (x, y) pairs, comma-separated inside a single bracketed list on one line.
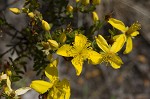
[(117, 24), (118, 44), (51, 71), (128, 46), (80, 41), (94, 57), (41, 86), (21, 91), (114, 65), (77, 62), (115, 61), (66, 50), (101, 42), (135, 33)]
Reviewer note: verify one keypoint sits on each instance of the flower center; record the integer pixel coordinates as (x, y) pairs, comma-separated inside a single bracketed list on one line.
[(107, 56)]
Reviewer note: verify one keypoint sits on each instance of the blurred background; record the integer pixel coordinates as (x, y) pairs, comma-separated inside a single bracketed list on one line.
[(131, 81)]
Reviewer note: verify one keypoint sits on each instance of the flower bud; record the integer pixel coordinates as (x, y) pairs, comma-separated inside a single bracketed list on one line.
[(53, 44), (31, 15), (62, 37), (69, 8), (45, 26), (77, 1), (96, 2), (85, 2), (8, 72), (45, 45), (15, 10), (95, 16)]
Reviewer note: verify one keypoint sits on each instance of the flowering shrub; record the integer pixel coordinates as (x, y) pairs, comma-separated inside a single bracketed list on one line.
[(52, 32)]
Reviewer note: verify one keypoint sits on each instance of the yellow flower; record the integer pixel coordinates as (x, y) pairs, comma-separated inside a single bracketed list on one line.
[(56, 89), (109, 54), (80, 51), (15, 10), (9, 91), (95, 16), (45, 25), (129, 32)]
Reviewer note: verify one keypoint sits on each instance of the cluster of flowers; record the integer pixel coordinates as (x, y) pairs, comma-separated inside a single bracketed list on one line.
[(80, 49)]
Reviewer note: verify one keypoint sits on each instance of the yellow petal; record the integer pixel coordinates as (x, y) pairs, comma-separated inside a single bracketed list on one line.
[(22, 91), (77, 62), (117, 24), (115, 37), (101, 42), (114, 65), (51, 71), (66, 50), (41, 86), (94, 57), (118, 44), (135, 33), (80, 41), (128, 46), (115, 61)]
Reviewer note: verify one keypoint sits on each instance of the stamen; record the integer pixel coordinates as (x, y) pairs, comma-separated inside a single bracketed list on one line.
[(134, 27)]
